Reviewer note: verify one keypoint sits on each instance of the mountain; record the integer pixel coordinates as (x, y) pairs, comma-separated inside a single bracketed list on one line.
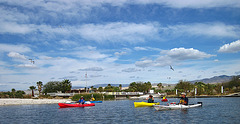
[(100, 85), (215, 79)]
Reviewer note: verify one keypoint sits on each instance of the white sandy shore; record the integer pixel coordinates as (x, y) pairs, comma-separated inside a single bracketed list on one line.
[(31, 101)]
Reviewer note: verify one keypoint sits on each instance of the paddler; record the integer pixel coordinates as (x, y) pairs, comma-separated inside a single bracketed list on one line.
[(81, 100), (184, 99), (150, 99), (92, 99)]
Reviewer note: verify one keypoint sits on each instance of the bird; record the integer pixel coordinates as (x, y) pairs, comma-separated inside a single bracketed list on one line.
[(32, 61), (171, 67)]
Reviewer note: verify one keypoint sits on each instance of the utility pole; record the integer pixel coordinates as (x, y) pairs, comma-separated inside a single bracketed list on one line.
[(86, 81)]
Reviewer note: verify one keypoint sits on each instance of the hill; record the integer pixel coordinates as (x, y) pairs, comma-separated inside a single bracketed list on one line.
[(215, 79)]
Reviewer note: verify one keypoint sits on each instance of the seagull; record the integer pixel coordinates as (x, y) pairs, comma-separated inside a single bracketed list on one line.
[(171, 67), (32, 61)]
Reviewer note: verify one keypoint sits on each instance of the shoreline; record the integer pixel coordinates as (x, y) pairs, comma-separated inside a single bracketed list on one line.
[(17, 101)]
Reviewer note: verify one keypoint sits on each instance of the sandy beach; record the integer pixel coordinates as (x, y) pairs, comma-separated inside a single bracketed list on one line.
[(4, 102)]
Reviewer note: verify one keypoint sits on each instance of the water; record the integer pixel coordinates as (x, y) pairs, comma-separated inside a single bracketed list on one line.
[(214, 110)]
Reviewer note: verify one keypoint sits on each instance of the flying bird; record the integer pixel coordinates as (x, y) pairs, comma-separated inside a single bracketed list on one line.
[(171, 67), (32, 61)]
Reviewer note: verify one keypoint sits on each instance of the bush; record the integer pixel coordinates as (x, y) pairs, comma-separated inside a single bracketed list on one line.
[(97, 96)]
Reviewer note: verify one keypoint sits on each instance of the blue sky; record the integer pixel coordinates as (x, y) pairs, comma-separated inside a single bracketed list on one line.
[(117, 41)]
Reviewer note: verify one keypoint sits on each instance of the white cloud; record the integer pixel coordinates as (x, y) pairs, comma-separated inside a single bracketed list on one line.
[(27, 66), (17, 55), (14, 48), (140, 48), (92, 69), (146, 49), (131, 70), (206, 29), (233, 47), (168, 57), (119, 32), (194, 3), (120, 53), (67, 42), (184, 54)]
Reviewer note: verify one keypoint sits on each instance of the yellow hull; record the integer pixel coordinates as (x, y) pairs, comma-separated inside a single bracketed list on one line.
[(145, 104)]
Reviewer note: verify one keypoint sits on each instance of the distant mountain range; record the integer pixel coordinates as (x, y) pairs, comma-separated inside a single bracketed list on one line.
[(215, 79)]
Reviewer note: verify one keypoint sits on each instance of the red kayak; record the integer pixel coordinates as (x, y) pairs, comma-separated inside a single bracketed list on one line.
[(164, 100), (64, 105)]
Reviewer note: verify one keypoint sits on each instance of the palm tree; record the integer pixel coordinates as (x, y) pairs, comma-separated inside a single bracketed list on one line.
[(39, 84), (159, 85), (32, 88), (13, 92), (120, 86)]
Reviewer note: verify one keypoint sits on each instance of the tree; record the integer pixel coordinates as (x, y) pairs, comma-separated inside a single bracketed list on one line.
[(100, 89), (200, 87), (13, 92), (39, 84), (65, 85), (184, 86), (139, 86), (159, 85), (120, 86), (32, 88), (51, 87)]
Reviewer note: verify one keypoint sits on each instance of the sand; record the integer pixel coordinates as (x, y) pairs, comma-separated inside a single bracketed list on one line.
[(12, 101)]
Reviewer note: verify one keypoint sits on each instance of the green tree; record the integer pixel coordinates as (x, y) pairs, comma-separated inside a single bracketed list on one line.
[(65, 86), (32, 88), (51, 87), (120, 86), (109, 88), (159, 85), (209, 89), (39, 85), (19, 94), (100, 89), (200, 87), (140, 87), (13, 92), (184, 86)]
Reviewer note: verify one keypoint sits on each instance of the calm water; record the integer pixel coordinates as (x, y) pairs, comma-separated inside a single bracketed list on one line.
[(214, 110)]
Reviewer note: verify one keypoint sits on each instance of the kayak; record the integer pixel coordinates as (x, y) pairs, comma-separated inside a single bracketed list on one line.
[(176, 106), (144, 104), (95, 101), (164, 100), (64, 105)]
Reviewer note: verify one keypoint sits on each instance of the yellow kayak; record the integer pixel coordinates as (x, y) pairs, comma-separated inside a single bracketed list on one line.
[(144, 104)]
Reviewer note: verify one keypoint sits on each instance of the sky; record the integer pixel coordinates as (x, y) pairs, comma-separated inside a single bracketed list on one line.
[(117, 41)]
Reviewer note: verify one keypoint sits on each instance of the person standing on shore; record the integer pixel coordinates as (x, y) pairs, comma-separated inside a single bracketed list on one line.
[(184, 99)]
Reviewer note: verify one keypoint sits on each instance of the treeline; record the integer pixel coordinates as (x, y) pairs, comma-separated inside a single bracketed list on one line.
[(14, 94), (209, 89)]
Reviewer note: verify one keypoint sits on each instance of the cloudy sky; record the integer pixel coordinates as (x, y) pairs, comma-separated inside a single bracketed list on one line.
[(117, 41)]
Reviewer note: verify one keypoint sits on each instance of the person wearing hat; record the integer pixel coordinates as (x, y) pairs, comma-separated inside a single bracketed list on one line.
[(81, 100), (150, 99), (184, 99)]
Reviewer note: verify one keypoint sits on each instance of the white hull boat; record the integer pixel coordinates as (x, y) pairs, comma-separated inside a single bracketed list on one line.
[(176, 106)]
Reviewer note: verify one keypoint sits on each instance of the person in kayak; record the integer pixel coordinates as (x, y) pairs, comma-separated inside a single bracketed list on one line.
[(92, 99), (150, 99), (81, 100), (184, 99)]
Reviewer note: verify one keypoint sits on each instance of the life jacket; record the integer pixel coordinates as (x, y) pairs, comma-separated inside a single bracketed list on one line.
[(150, 100)]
